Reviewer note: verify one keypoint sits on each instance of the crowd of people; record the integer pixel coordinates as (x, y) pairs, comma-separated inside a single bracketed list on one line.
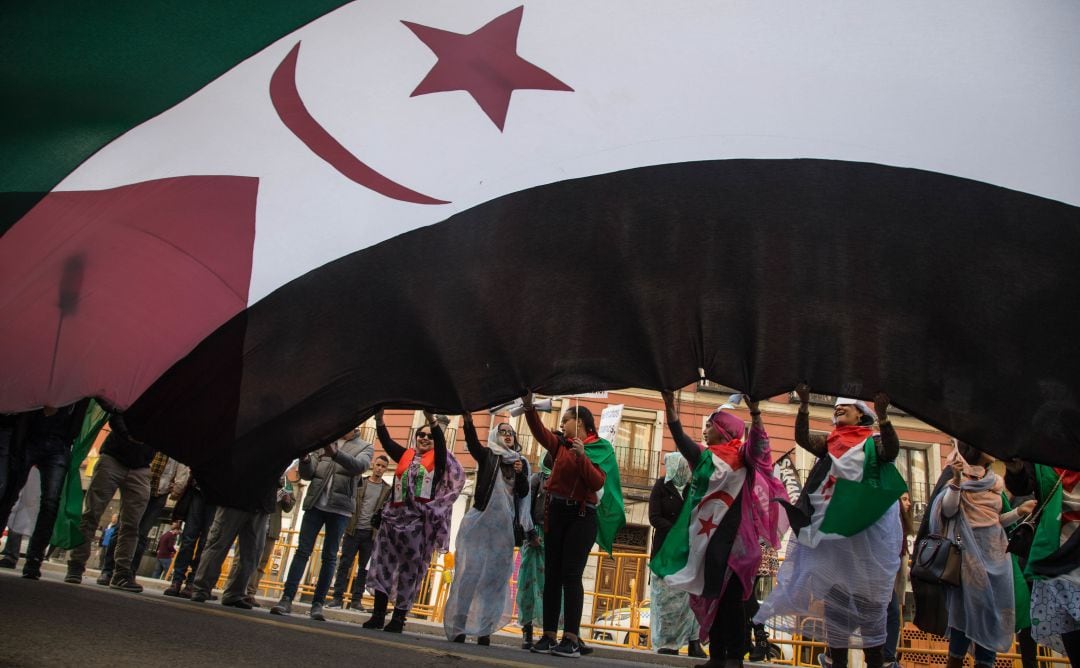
[(720, 517)]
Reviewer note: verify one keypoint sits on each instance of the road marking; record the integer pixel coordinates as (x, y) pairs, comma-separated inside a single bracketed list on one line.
[(491, 661)]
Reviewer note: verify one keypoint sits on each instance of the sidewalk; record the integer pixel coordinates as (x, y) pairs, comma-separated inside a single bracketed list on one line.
[(55, 571)]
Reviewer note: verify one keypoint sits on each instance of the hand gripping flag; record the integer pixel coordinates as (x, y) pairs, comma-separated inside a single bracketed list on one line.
[(250, 224)]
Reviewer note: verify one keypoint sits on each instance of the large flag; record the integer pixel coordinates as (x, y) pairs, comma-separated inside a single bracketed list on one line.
[(681, 560), (253, 223), (856, 491)]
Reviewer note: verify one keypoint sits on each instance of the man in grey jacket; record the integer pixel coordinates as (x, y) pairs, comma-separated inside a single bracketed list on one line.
[(330, 501)]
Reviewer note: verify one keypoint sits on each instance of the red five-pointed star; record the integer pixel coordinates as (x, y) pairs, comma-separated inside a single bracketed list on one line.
[(484, 64), (707, 526)]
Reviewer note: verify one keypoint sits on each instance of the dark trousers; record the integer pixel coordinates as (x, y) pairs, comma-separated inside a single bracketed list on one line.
[(892, 628), (196, 526), (7, 438), (357, 546), (727, 635), (51, 456), (149, 520), (837, 605), (569, 537), (13, 546), (315, 519), (1071, 640), (108, 557)]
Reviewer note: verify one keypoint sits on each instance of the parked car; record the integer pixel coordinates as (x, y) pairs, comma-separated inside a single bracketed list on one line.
[(621, 617)]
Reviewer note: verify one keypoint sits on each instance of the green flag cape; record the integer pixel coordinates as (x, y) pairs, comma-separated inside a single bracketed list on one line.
[(1047, 539), (1021, 593), (66, 532), (857, 505), (611, 513)]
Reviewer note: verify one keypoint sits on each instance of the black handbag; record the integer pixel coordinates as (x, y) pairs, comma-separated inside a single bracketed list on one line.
[(1021, 538), (937, 560)]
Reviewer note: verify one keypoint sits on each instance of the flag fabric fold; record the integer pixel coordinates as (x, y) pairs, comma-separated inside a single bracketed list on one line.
[(610, 511)]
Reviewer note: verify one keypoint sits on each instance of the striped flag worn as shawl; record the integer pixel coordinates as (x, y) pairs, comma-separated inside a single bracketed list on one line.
[(856, 492), (713, 489)]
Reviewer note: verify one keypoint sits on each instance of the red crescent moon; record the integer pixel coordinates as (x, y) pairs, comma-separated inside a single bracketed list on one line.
[(292, 112)]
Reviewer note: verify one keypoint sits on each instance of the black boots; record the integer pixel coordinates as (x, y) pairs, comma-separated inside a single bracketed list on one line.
[(759, 650), (378, 614), (397, 621), (527, 636), (695, 651)]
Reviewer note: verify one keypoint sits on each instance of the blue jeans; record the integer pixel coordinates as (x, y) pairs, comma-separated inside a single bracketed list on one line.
[(196, 526), (958, 647), (892, 628), (315, 519)]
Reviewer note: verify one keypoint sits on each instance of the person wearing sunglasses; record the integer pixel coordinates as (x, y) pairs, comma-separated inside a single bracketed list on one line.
[(415, 521), (479, 600), (847, 529)]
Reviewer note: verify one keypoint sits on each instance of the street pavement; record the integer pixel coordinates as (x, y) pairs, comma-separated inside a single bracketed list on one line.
[(50, 623)]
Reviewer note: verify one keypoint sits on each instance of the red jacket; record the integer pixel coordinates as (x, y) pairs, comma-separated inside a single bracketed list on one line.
[(572, 477)]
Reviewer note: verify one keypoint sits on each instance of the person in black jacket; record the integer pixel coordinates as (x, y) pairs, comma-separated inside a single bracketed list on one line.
[(124, 464), (479, 600), (672, 620)]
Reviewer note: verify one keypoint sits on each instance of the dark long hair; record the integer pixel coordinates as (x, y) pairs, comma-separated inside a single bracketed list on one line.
[(586, 417)]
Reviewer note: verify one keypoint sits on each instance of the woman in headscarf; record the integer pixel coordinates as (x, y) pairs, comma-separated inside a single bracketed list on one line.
[(1053, 562), (415, 521), (713, 550), (982, 610), (530, 580), (479, 601), (671, 618), (847, 525)]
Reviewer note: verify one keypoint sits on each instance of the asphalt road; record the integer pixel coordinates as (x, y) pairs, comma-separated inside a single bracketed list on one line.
[(49, 623)]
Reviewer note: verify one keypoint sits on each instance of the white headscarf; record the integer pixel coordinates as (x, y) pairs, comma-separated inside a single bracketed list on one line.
[(495, 443), (676, 470)]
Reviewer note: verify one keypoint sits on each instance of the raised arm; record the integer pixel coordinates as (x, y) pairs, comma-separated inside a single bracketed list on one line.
[(686, 445), (389, 445), (813, 443), (439, 437), (541, 433), (888, 444), (759, 440), (472, 441), (353, 464)]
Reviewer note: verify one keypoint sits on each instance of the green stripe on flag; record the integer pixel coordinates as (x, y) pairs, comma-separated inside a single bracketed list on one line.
[(79, 74), (611, 513), (1047, 539), (66, 532), (857, 505), (1021, 592), (674, 553)]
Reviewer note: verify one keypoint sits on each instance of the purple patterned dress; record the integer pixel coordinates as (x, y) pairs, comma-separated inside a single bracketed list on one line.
[(412, 529)]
